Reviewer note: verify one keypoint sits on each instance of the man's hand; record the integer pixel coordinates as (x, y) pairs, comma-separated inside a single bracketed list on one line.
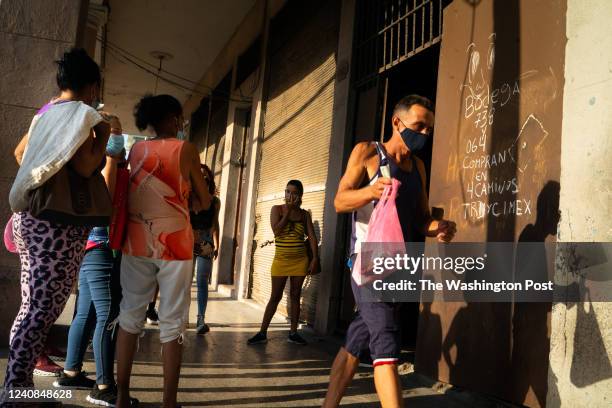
[(446, 231), (378, 187)]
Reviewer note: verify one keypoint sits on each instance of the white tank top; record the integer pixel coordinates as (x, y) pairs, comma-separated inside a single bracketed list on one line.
[(361, 216)]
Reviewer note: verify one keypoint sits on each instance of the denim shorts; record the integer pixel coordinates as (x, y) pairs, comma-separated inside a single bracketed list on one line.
[(375, 327)]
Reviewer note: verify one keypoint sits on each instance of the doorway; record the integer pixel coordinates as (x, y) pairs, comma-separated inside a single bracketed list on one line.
[(417, 75), (396, 53)]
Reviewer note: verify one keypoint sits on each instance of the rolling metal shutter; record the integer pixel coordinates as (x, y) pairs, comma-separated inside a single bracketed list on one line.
[(297, 131)]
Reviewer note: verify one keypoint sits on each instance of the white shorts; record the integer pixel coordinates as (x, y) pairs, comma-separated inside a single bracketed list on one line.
[(139, 277)]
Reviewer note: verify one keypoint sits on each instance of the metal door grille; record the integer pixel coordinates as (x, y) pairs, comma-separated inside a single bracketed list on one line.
[(391, 31)]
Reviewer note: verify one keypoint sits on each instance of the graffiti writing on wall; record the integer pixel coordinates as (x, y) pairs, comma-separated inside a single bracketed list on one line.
[(482, 105)]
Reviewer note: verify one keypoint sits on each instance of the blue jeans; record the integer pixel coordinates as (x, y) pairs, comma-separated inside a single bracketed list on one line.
[(97, 307), (203, 270)]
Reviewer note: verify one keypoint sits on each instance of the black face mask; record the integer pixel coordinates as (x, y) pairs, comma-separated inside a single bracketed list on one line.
[(415, 141)]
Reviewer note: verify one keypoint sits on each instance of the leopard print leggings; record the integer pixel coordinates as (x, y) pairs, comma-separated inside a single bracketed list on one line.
[(50, 258)]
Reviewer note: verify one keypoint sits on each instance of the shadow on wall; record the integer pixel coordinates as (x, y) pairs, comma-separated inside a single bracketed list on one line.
[(513, 357), (428, 356), (590, 360), (479, 362), (309, 283), (530, 321), (592, 365), (529, 358), (585, 370), (252, 255)]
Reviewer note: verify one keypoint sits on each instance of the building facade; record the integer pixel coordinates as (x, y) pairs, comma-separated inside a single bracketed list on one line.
[(498, 72)]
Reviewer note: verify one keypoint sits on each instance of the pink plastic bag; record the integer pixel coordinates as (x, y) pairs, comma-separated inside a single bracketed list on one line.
[(9, 239), (383, 239)]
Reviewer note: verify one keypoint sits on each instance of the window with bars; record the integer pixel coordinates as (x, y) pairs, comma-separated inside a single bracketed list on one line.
[(391, 31)]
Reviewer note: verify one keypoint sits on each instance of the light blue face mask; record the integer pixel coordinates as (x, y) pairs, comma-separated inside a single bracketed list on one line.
[(180, 135), (115, 145)]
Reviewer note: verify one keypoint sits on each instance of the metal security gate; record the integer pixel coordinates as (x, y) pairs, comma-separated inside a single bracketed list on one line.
[(297, 130), (388, 32)]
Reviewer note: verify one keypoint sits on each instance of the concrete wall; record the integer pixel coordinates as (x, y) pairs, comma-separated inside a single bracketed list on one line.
[(580, 372), (32, 35), (252, 162), (332, 256), (246, 32)]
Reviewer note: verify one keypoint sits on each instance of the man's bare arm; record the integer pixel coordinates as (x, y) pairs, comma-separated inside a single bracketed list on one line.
[(350, 196)]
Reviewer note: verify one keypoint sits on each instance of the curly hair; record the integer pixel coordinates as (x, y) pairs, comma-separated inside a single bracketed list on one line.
[(153, 110)]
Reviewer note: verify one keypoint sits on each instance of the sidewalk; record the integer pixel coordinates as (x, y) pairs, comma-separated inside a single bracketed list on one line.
[(220, 370)]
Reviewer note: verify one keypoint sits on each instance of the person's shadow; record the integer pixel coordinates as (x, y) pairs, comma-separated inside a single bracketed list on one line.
[(529, 350), (428, 357), (531, 321), (310, 286)]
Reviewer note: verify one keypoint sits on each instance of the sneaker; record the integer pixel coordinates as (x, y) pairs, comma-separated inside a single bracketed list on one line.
[(45, 367), (78, 382), (201, 327), (296, 339), (259, 338), (107, 397), (152, 317), (55, 353)]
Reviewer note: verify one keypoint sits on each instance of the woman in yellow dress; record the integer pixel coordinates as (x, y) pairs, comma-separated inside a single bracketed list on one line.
[(291, 225)]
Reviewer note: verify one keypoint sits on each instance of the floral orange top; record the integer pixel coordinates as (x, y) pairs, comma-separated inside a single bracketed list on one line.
[(158, 202)]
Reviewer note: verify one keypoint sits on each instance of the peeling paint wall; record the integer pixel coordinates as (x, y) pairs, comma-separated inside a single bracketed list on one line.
[(580, 372)]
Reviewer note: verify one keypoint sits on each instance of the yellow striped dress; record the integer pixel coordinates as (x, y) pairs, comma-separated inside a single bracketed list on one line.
[(290, 257)]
